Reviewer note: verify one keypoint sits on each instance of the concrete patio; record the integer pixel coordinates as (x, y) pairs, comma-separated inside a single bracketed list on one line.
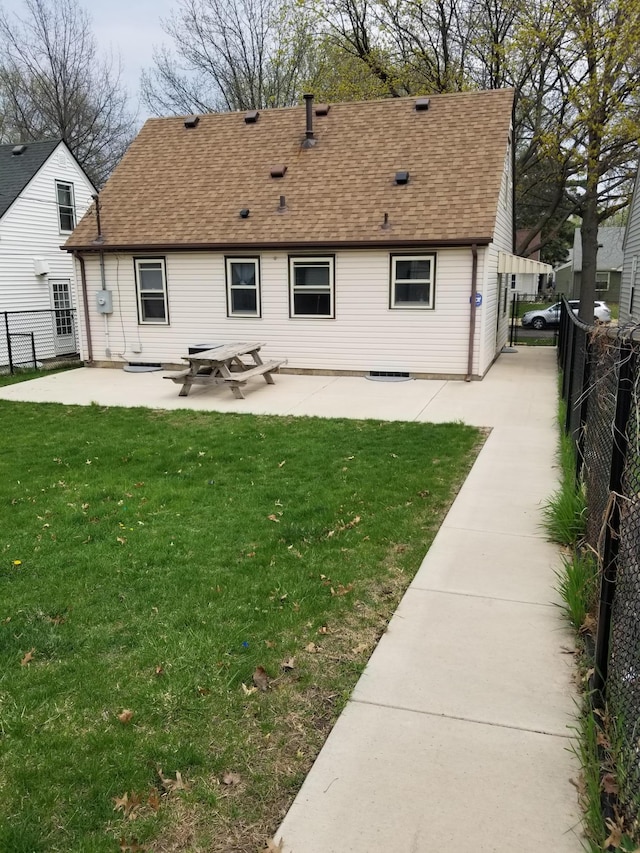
[(457, 736)]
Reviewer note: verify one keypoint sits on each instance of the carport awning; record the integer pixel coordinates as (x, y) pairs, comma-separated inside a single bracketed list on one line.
[(514, 264)]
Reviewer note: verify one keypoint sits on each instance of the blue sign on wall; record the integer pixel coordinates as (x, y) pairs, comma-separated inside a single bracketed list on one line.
[(478, 300)]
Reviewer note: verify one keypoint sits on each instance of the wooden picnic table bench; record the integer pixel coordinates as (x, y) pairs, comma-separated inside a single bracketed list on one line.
[(223, 365)]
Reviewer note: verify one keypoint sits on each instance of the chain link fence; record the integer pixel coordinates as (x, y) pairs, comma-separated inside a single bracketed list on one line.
[(38, 340), (601, 387)]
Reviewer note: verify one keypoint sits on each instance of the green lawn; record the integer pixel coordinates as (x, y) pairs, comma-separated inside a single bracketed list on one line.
[(151, 563)]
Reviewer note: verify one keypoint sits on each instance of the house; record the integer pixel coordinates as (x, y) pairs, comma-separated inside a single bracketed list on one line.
[(359, 237), (629, 299), (43, 193), (608, 271)]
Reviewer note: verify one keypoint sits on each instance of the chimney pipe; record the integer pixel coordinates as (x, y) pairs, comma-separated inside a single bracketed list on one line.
[(96, 199), (309, 102)]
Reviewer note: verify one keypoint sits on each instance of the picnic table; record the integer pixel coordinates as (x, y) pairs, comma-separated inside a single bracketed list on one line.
[(224, 365)]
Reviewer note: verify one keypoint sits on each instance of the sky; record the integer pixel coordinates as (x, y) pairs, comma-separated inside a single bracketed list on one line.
[(129, 28)]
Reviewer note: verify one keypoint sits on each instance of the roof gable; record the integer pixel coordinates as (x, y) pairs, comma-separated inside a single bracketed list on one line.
[(185, 187), (16, 170)]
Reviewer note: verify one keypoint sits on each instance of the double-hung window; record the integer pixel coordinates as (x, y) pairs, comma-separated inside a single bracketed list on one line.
[(311, 286), (412, 281), (151, 289), (66, 206), (243, 287), (602, 281)]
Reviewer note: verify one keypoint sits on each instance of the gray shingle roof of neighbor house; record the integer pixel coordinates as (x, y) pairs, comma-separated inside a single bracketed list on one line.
[(184, 187), (609, 252), (16, 170)]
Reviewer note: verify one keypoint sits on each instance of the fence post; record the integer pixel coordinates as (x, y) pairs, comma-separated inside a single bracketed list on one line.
[(33, 351), (6, 327), (612, 523)]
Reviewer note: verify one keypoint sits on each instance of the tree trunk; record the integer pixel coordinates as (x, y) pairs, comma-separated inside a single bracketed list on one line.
[(589, 236)]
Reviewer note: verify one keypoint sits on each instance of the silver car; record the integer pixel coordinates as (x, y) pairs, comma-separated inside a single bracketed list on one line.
[(548, 317)]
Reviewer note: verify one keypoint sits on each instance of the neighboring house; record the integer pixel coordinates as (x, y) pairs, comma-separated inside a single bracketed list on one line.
[(358, 237), (629, 295), (608, 269), (43, 193)]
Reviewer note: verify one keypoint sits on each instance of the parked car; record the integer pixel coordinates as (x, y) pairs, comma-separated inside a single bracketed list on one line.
[(545, 317)]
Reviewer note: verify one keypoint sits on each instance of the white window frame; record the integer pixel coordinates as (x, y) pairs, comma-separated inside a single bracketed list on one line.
[(305, 260), (229, 261), (163, 267), (632, 288), (603, 289), (431, 281), (67, 207)]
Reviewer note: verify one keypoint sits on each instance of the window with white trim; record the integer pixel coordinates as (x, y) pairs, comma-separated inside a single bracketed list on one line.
[(151, 289), (632, 289), (243, 287), (602, 280), (311, 286), (412, 281), (66, 206)]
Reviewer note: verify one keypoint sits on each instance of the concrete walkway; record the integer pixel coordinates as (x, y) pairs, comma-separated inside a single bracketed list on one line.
[(456, 738)]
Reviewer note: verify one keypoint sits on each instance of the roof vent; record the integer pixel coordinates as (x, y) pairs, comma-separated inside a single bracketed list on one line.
[(422, 104), (402, 177), (322, 109), (18, 149), (244, 213), (192, 121), (251, 116), (278, 171)]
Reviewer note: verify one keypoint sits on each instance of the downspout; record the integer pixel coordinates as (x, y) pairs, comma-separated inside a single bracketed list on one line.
[(472, 310), (85, 304)]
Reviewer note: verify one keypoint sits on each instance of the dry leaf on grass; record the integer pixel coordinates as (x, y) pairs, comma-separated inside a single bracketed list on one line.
[(27, 658), (248, 690), (273, 517), (361, 647), (171, 785), (609, 784), (231, 778), (159, 670), (125, 716), (288, 664), (272, 847), (261, 679), (312, 648), (615, 835), (342, 590), (323, 630)]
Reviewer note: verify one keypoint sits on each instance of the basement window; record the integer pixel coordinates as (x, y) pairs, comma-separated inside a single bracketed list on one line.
[(311, 287), (151, 290), (412, 281), (243, 287)]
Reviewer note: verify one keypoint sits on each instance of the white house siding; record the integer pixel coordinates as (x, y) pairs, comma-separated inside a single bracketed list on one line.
[(365, 334), (494, 316), (28, 230), (631, 263)]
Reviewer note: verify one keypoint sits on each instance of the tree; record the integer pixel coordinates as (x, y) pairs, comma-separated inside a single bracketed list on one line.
[(53, 84), (598, 55), (235, 55)]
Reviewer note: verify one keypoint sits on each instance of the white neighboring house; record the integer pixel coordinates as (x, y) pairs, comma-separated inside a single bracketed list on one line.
[(630, 283), (371, 237), (43, 194)]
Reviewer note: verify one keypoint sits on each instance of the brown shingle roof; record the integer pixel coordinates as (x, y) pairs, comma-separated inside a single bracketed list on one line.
[(179, 187)]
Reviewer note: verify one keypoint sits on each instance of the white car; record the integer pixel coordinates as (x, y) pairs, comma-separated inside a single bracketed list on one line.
[(545, 317)]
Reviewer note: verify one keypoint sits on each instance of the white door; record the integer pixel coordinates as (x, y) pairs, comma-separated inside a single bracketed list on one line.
[(63, 317)]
